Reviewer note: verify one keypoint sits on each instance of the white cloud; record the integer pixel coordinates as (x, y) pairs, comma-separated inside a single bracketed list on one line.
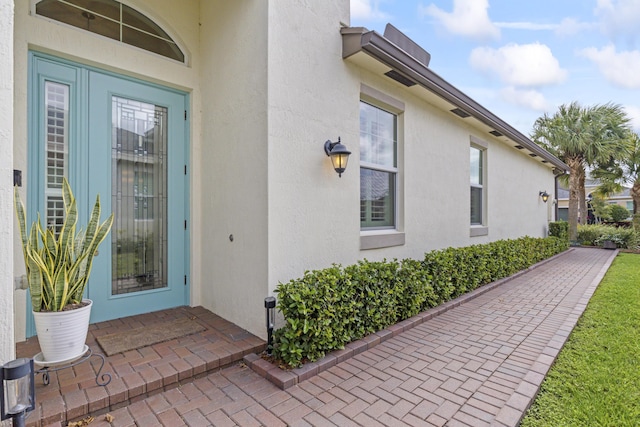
[(634, 114), (528, 98), (367, 10), (469, 18), (619, 68), (619, 17), (526, 65), (571, 27), (532, 26), (566, 27)]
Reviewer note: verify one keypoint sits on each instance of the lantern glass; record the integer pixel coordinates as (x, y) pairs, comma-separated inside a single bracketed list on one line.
[(17, 395), (544, 195), (339, 161), (270, 306), (272, 317), (17, 386)]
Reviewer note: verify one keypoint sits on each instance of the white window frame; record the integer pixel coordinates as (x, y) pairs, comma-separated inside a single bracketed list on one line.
[(60, 130), (481, 229), (373, 237)]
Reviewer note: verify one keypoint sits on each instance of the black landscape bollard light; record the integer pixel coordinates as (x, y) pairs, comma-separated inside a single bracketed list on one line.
[(17, 390), (270, 308)]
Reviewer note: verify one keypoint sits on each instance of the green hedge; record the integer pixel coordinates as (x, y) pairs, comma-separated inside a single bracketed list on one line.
[(326, 309), (595, 234), (559, 229)]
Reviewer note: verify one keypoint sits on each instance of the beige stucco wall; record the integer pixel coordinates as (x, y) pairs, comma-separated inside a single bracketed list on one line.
[(7, 341), (233, 159), (435, 167), (312, 98), (314, 215)]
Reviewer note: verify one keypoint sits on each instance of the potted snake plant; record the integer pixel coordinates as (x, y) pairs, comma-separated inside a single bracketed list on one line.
[(57, 269)]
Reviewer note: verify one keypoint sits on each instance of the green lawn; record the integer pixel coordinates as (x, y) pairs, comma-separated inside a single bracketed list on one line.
[(596, 379)]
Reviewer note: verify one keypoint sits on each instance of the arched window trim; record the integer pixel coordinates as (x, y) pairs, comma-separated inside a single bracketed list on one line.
[(147, 13)]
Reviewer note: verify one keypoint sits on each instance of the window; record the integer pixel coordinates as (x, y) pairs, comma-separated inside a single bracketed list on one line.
[(477, 183), (563, 214), (57, 145), (478, 187), (114, 20), (378, 167)]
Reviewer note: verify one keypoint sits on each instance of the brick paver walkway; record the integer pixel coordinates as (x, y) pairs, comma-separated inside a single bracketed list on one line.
[(478, 364)]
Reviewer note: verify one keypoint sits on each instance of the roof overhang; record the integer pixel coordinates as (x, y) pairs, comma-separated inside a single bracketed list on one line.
[(379, 54)]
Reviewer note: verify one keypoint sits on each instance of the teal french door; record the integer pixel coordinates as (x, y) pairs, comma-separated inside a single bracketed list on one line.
[(127, 141)]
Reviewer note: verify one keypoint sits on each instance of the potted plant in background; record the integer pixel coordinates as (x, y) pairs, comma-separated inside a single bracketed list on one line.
[(58, 268)]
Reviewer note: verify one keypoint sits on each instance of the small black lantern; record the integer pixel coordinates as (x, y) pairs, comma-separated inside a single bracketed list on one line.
[(544, 195), (270, 310), (17, 391), (339, 155)]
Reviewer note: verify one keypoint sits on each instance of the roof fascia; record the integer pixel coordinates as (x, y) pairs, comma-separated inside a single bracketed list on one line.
[(359, 39)]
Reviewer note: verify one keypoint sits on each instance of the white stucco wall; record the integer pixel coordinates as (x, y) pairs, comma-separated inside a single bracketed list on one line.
[(233, 161), (311, 100), (7, 341), (314, 215)]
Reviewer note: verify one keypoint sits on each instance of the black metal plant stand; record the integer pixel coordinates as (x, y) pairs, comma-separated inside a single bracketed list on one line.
[(101, 380)]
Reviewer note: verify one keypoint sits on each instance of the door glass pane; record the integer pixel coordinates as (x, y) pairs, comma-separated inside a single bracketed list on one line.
[(57, 144), (139, 196)]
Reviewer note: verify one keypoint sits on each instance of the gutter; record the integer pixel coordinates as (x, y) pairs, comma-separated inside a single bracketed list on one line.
[(388, 52)]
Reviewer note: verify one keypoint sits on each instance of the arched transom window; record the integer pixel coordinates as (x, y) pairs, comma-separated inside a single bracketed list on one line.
[(114, 20)]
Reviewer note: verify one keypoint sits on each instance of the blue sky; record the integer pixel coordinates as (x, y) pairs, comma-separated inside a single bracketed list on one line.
[(522, 58)]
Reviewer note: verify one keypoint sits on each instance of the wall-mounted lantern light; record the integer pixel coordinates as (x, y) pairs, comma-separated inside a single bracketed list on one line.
[(270, 310), (544, 195), (17, 390), (339, 155)]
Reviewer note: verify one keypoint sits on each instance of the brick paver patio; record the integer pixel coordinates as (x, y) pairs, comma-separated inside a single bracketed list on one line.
[(478, 364)]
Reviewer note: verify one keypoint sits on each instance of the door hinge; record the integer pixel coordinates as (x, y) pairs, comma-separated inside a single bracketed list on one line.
[(185, 280), (185, 114), (185, 224), (185, 169)]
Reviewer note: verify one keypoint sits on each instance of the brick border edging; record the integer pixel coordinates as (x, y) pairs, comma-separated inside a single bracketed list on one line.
[(286, 379), (530, 384)]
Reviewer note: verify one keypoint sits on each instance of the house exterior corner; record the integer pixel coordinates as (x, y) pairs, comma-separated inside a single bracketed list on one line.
[(251, 197), (7, 339)]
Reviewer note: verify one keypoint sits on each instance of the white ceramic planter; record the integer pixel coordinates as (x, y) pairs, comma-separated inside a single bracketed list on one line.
[(62, 334)]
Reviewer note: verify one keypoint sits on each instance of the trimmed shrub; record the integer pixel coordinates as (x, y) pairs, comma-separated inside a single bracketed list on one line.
[(636, 222), (559, 229), (588, 233), (326, 309), (618, 213), (596, 234)]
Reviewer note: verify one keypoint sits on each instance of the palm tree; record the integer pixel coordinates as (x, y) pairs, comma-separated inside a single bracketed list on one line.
[(614, 175), (582, 137)]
